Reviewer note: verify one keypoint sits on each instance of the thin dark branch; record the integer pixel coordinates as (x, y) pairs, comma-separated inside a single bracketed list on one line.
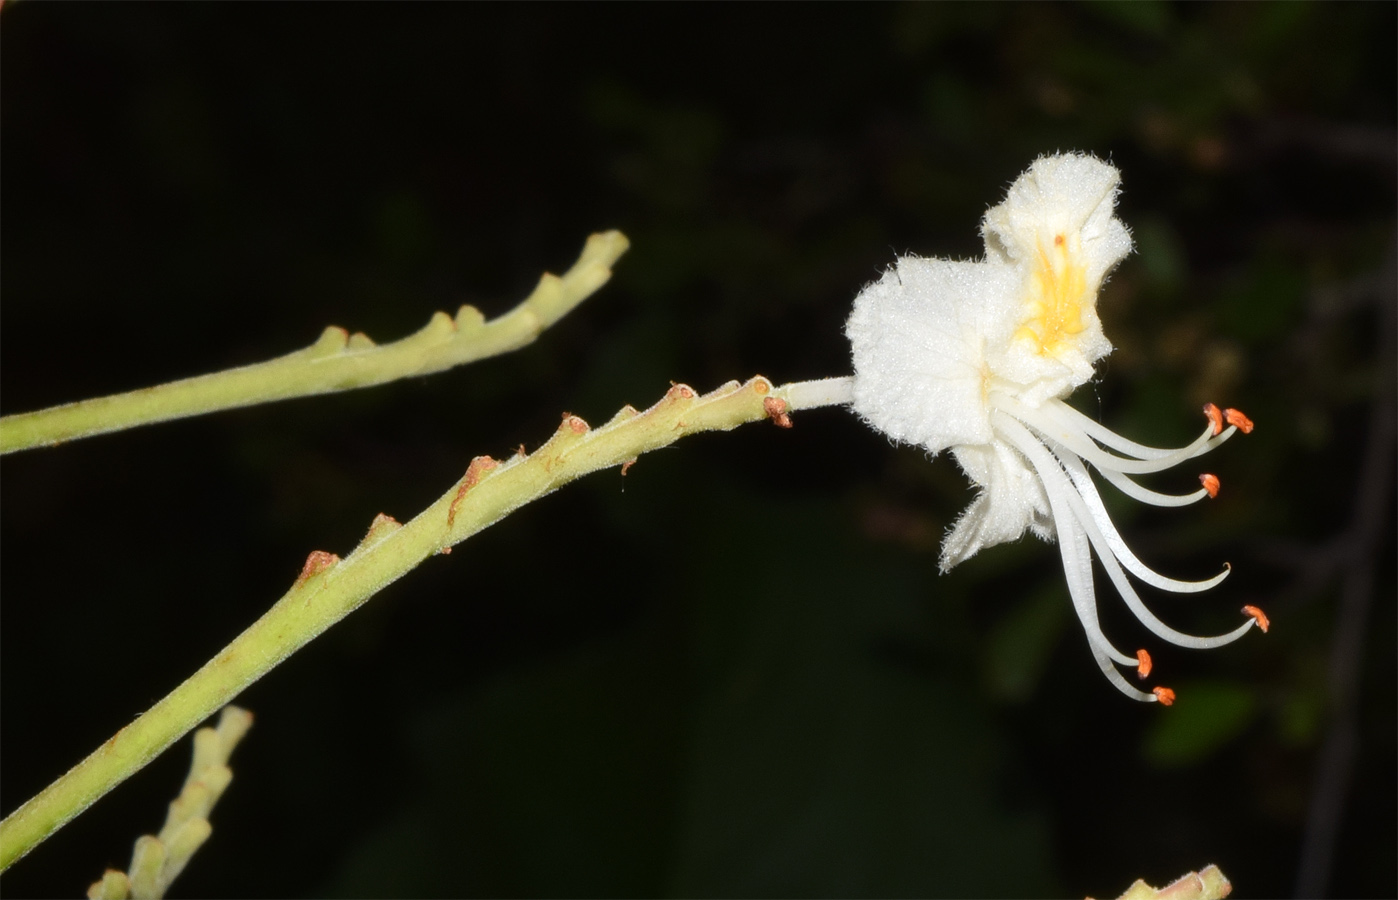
[(1355, 550)]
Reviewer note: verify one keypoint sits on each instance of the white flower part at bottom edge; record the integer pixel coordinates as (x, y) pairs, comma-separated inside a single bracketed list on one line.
[(976, 357)]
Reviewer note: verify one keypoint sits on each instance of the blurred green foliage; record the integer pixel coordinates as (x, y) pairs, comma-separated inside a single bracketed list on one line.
[(1217, 712), (736, 671)]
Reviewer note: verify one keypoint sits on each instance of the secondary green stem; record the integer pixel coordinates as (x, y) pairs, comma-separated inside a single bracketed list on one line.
[(338, 361), (329, 588)]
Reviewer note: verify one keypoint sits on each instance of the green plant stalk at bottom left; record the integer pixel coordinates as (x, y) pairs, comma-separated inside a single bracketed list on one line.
[(329, 588)]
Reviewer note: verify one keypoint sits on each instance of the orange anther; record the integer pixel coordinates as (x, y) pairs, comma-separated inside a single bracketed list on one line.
[(1259, 615), (1210, 483), (1215, 417), (776, 411), (1238, 420), (1143, 664), (1164, 695)]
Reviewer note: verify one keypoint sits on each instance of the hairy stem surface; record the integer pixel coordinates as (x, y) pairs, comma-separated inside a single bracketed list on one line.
[(338, 361), (329, 588)]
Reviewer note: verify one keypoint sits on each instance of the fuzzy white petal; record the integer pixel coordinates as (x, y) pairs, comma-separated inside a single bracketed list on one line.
[(1069, 193), (1011, 501), (918, 336)]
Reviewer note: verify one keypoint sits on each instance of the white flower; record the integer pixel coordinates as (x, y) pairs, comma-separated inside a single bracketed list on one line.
[(975, 357)]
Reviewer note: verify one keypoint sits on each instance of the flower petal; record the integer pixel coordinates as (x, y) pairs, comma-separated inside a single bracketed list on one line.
[(918, 336), (1011, 500), (1068, 193)]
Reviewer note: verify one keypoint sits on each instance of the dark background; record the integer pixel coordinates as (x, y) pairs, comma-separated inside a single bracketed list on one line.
[(736, 672)]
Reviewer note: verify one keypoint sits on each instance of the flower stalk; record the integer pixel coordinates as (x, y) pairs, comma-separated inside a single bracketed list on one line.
[(158, 860), (330, 588), (337, 361)]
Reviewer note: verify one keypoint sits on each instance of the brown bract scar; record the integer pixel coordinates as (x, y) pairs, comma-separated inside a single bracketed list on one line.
[(382, 524), (569, 430), (317, 561), (677, 393), (776, 411), (478, 467), (628, 464)]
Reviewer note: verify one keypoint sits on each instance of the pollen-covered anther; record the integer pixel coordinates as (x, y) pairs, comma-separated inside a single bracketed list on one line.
[(1259, 615), (1210, 483), (1215, 417), (776, 411), (1164, 695), (1143, 664), (1239, 421)]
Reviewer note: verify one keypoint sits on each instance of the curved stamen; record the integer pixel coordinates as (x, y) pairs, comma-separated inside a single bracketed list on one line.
[(1087, 491), (1135, 491), (1051, 427), (1051, 473), (1119, 681), (1148, 618), (1077, 567), (1108, 438)]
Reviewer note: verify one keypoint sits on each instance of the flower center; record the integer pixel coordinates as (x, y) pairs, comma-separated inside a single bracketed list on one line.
[(1057, 292)]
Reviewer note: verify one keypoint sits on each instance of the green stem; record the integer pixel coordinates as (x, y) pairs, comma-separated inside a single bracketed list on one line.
[(338, 361), (329, 588)]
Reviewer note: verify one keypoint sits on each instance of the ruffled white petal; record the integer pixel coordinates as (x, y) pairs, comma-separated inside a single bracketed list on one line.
[(1011, 501), (1070, 194), (918, 336)]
